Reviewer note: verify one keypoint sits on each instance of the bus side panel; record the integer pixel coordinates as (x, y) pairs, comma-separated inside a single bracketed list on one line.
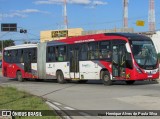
[(89, 70), (51, 69), (11, 69), (41, 61)]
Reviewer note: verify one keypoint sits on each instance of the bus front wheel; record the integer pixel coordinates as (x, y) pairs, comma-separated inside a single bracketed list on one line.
[(106, 78), (19, 76), (60, 77)]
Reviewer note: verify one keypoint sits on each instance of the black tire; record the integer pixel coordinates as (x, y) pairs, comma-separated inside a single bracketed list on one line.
[(39, 80), (106, 78), (130, 82), (19, 76), (60, 77), (82, 81)]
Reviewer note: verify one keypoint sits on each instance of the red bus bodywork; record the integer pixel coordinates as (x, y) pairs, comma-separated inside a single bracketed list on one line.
[(136, 73)]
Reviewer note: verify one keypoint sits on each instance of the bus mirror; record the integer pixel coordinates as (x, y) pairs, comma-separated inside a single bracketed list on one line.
[(128, 48)]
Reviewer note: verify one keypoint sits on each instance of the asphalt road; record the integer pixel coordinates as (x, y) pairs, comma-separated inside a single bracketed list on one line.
[(143, 95)]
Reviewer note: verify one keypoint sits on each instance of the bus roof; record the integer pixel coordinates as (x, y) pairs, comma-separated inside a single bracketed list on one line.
[(128, 35), (98, 37), (21, 46)]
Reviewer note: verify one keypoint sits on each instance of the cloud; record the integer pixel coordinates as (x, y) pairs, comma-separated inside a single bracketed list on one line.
[(81, 2), (21, 13), (97, 2), (48, 2), (28, 11), (11, 15)]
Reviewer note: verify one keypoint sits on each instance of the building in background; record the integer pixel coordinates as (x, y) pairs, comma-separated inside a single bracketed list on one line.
[(50, 35), (126, 30), (156, 40)]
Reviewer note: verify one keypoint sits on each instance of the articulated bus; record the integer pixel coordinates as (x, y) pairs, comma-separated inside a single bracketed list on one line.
[(108, 57)]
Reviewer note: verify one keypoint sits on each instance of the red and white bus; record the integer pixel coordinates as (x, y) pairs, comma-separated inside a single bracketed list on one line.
[(108, 56)]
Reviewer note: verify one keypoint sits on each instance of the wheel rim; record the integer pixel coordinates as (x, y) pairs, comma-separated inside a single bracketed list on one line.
[(19, 77), (59, 77), (106, 78)]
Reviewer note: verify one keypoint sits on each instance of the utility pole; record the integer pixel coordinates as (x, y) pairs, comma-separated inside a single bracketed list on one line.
[(151, 16), (125, 13), (65, 15)]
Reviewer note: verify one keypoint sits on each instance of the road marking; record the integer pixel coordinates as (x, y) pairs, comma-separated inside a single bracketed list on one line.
[(66, 117), (69, 108), (56, 108), (53, 106), (56, 103)]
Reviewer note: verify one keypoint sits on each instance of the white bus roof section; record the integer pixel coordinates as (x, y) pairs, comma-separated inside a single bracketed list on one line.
[(21, 46)]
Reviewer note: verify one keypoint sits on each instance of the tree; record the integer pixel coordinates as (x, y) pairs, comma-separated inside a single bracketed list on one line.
[(6, 43), (26, 42)]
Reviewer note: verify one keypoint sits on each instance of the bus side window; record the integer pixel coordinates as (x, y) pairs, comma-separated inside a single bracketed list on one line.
[(12, 56), (15, 56), (105, 50), (6, 56), (21, 56), (83, 52), (56, 53), (92, 49), (34, 55), (48, 54), (62, 53), (30, 55), (9, 56)]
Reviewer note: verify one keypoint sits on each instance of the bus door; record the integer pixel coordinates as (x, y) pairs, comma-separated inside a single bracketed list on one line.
[(74, 61), (118, 61), (27, 60)]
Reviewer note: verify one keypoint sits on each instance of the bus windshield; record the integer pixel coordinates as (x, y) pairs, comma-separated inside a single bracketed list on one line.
[(144, 53)]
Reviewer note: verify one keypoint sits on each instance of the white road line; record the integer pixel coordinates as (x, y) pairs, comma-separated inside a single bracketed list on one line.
[(56, 108), (69, 108), (56, 103), (66, 117), (53, 106)]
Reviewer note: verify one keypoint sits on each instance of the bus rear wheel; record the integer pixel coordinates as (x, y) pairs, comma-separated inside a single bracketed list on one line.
[(60, 77), (106, 78), (19, 76), (130, 82)]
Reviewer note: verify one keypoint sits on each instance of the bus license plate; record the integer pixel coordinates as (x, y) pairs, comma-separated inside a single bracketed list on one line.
[(149, 76)]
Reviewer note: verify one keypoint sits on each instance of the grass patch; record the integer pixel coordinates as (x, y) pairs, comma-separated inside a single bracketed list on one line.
[(12, 99)]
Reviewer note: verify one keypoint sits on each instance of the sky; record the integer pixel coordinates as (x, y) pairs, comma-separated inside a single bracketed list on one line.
[(39, 15)]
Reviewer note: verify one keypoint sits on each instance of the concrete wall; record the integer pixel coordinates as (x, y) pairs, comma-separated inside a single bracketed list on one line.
[(127, 30)]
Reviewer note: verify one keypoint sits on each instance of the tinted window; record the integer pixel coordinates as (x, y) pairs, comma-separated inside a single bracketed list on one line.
[(105, 50), (50, 54), (84, 52)]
